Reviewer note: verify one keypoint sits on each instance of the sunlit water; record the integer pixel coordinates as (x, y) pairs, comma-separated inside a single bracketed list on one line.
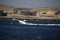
[(29, 30)]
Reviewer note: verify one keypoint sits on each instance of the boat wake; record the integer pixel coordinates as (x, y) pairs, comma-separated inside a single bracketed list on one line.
[(27, 23)]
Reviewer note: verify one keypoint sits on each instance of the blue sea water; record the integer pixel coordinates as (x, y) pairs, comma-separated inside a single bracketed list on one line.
[(13, 30)]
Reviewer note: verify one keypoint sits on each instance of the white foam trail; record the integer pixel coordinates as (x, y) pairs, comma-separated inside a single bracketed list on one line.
[(25, 23)]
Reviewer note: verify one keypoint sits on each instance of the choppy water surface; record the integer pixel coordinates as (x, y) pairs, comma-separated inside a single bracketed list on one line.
[(14, 30)]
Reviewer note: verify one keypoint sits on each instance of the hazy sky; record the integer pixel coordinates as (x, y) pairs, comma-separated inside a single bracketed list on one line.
[(31, 3)]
